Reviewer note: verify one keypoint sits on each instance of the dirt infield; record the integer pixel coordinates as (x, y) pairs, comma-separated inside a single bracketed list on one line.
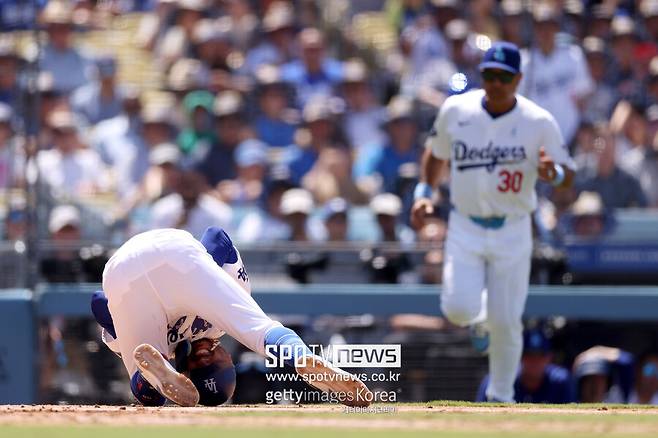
[(600, 420)]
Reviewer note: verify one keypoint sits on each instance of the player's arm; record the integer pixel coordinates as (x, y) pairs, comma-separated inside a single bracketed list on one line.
[(555, 164), (559, 175), (219, 245), (433, 160)]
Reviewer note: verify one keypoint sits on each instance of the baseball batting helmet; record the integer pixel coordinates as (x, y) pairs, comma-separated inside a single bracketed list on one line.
[(214, 383)]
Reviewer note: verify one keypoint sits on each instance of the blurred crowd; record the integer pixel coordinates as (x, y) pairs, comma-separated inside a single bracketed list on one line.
[(278, 119)]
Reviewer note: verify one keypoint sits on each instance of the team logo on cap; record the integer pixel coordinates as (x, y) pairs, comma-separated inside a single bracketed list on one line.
[(499, 55), (210, 385)]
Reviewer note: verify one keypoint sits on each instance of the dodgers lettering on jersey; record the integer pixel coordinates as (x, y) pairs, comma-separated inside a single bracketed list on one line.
[(494, 160)]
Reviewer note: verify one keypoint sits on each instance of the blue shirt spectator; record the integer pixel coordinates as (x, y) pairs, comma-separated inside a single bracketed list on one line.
[(538, 381), (556, 388), (99, 100), (314, 73)]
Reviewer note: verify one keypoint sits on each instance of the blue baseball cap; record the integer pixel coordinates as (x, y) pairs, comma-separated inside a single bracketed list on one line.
[(503, 55), (534, 341)]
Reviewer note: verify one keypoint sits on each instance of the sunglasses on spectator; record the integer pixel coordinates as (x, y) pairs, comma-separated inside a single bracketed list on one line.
[(503, 76)]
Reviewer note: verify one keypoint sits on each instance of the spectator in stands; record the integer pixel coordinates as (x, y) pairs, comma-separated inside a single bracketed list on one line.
[(12, 155), (387, 208), (198, 134), (191, 207), (587, 218), (15, 221), (401, 145), (276, 122), (623, 65), (538, 380), (645, 390), (319, 118), (127, 124), (652, 82), (267, 224), (69, 67), (212, 45), (425, 58), (277, 41), (465, 57), (217, 163), (296, 206), (335, 220), (9, 62), (617, 188), (251, 163), (630, 126), (555, 75), (600, 103), (101, 99), (363, 115), (601, 19), (186, 75), (603, 375), (70, 169), (177, 39), (642, 163), (128, 155), (511, 22), (649, 12), (315, 73), (69, 262), (386, 265)]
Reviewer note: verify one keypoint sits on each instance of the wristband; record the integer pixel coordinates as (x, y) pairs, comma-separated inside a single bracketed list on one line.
[(423, 190), (559, 175)]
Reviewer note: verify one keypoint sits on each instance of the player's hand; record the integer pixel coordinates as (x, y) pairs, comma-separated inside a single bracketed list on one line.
[(546, 168), (421, 209)]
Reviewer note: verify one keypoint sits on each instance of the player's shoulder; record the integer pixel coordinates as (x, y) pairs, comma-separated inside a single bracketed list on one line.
[(557, 374)]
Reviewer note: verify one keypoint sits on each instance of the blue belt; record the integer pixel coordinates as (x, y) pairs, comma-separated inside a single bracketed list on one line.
[(492, 222)]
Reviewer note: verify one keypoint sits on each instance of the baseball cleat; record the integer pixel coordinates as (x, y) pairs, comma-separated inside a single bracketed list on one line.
[(321, 375), (158, 372)]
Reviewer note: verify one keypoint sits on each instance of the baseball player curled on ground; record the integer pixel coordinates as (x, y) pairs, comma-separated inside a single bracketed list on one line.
[(498, 143), (168, 296)]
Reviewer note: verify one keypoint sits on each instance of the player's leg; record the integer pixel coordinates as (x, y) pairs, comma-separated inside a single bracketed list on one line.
[(140, 324), (463, 272), (508, 274)]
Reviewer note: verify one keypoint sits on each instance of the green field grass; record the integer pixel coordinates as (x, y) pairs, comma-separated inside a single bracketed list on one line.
[(438, 419)]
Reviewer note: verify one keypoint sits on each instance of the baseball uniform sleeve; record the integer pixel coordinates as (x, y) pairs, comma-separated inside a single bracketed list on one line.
[(554, 143), (439, 139)]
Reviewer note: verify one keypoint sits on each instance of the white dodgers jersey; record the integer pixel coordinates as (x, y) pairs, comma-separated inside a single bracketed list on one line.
[(494, 160)]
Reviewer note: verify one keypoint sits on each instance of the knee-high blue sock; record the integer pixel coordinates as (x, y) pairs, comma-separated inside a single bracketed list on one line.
[(293, 346), (144, 392)]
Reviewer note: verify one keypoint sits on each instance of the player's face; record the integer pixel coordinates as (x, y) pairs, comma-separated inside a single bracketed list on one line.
[(500, 85), (203, 354)]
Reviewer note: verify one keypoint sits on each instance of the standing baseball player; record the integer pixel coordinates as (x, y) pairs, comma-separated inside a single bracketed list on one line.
[(167, 294), (498, 143)]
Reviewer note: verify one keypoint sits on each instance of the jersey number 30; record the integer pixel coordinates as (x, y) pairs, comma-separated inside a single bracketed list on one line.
[(510, 181)]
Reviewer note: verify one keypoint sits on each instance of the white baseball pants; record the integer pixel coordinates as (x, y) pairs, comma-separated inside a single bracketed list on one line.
[(160, 275), (495, 262)]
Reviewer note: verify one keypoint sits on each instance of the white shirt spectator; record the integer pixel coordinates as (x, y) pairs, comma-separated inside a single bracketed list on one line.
[(73, 174), (208, 211), (555, 82)]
